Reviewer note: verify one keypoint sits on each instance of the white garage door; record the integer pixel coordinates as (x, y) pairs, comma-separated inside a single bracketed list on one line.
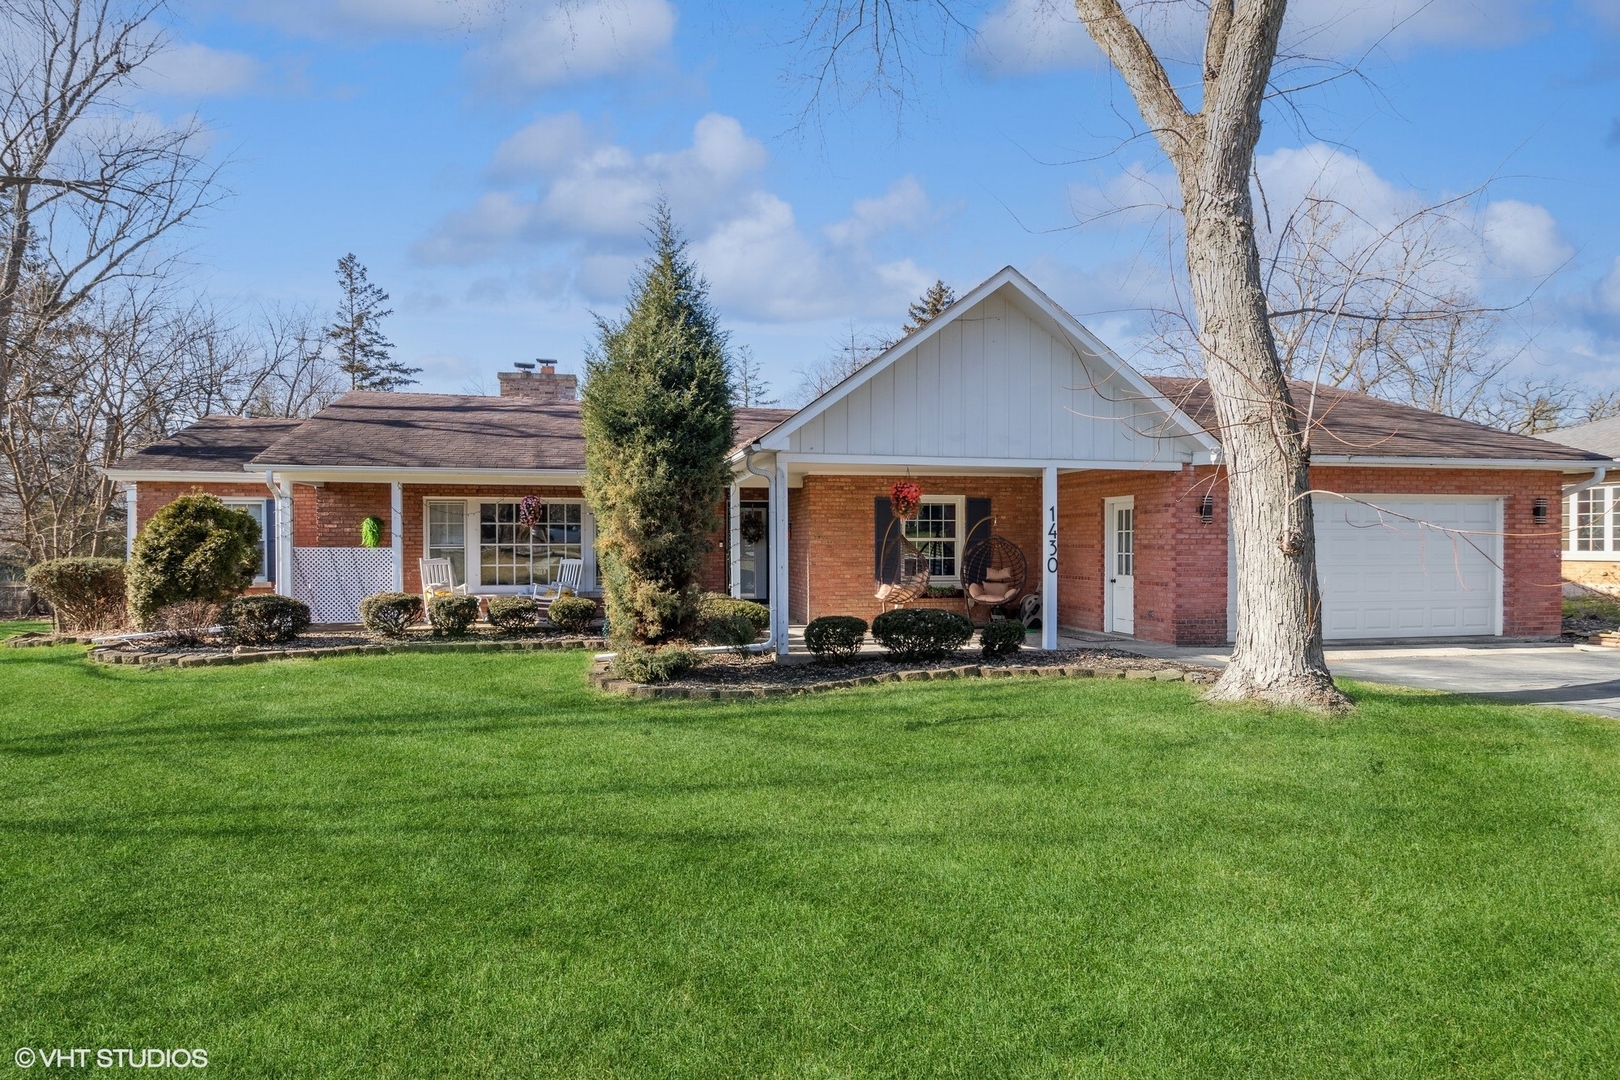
[(1398, 566)]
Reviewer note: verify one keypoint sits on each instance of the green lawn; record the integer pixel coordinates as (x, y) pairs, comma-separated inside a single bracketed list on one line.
[(470, 865)]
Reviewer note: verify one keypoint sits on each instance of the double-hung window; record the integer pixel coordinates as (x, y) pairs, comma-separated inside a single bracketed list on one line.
[(512, 553), (254, 508), (1590, 514), (447, 536), (939, 532)]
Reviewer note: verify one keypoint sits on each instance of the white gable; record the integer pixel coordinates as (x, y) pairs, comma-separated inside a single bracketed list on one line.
[(996, 377)]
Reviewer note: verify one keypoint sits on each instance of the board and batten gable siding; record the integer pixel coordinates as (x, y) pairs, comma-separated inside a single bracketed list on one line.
[(993, 383)]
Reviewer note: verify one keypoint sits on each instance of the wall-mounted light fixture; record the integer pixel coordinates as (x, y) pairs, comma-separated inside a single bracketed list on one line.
[(1206, 509), (1538, 512)]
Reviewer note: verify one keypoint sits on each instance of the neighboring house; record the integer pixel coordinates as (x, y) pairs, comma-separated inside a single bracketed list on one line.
[(1591, 532), (1011, 416)]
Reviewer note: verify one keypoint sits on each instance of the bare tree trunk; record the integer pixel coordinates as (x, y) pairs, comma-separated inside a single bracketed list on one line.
[(1278, 656)]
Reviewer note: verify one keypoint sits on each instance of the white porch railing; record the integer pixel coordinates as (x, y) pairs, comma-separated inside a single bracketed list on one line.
[(333, 581)]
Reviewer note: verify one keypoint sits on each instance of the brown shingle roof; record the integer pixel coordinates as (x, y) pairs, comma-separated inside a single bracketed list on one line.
[(212, 444), (453, 431), (1359, 425)]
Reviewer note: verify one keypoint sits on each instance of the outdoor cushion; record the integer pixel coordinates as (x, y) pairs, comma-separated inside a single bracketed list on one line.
[(997, 573), (990, 593), (884, 591)]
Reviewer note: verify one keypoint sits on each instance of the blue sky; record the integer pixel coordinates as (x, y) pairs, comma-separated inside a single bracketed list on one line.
[(491, 164)]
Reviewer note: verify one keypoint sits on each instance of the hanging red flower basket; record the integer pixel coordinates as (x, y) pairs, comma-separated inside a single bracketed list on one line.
[(905, 497)]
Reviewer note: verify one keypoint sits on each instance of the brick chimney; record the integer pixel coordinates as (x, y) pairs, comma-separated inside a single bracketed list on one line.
[(544, 385)]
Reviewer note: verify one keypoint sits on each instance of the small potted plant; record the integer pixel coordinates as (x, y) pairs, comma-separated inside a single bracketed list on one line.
[(905, 498)]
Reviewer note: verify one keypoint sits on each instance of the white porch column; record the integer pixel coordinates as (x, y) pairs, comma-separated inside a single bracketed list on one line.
[(284, 536), (129, 520), (1049, 558), (779, 556), (396, 526), (734, 541)]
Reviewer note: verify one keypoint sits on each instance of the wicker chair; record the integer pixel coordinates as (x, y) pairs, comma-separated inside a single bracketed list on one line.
[(995, 572)]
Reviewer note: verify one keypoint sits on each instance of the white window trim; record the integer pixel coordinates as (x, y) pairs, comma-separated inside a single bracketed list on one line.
[(1608, 549), (960, 502), (265, 539), (587, 539)]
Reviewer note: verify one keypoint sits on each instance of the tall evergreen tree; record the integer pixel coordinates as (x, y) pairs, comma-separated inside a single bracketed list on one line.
[(356, 333), (658, 425), (925, 308)]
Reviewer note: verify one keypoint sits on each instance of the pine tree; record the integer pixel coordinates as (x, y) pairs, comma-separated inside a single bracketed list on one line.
[(748, 385), (356, 333), (928, 306), (658, 424)]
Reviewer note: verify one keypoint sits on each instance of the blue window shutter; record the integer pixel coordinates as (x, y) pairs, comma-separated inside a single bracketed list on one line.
[(270, 540)]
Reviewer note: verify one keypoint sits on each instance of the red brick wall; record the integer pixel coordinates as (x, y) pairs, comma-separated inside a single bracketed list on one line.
[(1180, 561), (830, 564)]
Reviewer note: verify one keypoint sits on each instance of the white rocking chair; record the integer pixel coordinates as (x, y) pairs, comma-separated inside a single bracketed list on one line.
[(569, 572), (438, 576)]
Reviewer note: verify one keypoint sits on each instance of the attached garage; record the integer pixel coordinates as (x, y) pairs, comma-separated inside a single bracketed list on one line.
[(1409, 567)]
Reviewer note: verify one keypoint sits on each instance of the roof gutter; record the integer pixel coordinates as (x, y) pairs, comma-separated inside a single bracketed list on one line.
[(1592, 482)]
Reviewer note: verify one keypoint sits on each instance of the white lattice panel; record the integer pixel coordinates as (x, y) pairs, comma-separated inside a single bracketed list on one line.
[(333, 581)]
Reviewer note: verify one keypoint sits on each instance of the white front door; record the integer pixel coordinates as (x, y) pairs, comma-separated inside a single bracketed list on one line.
[(1119, 589)]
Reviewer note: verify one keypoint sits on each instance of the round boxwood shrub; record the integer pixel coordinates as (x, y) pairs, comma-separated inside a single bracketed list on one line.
[(194, 551), (452, 613), (921, 633), (85, 594), (514, 614), (1001, 637), (264, 620), (572, 613), (390, 613), (835, 637), (648, 666), (717, 606)]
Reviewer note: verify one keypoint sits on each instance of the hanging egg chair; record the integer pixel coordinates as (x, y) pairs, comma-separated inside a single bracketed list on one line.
[(994, 570), (908, 579)]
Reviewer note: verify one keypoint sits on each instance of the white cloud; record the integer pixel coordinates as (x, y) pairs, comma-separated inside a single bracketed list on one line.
[(1033, 35), (195, 70), (512, 47), (576, 41), (1524, 238), (1608, 290), (557, 185)]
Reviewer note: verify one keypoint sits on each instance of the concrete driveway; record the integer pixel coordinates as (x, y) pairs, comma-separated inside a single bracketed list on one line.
[(1584, 678)]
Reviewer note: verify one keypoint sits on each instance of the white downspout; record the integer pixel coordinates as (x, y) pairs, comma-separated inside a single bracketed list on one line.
[(1595, 479)]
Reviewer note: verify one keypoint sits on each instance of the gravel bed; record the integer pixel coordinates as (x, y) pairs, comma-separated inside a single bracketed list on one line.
[(732, 672)]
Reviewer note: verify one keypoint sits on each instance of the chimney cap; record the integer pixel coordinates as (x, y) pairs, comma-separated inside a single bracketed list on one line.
[(524, 365)]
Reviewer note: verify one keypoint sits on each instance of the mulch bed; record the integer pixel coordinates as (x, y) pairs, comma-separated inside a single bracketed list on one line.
[(212, 651), (728, 675)]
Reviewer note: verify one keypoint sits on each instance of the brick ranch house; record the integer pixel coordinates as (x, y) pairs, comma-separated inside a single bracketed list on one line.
[(1014, 420)]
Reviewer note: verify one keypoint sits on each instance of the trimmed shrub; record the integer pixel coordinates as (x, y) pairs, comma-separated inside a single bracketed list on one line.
[(1001, 637), (196, 549), (646, 666), (734, 631), (390, 613), (452, 613), (572, 613), (721, 606), (835, 637), (86, 594), (921, 633), (514, 614), (264, 620)]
